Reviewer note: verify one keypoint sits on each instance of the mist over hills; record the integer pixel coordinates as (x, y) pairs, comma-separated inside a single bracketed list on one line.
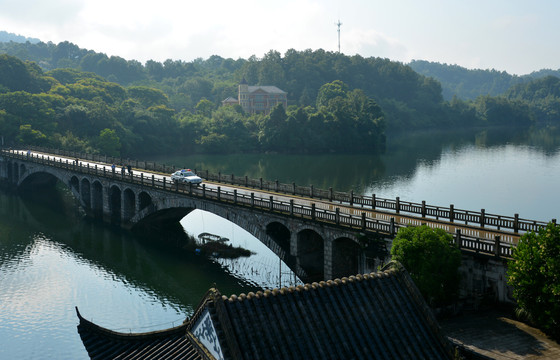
[(455, 80), (7, 37), (468, 84)]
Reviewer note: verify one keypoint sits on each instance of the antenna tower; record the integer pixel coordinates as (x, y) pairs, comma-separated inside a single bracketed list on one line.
[(338, 24)]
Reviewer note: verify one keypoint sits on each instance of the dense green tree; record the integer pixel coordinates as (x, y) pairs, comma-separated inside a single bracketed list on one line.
[(274, 129), (15, 75), (28, 135), (109, 143), (204, 107), (501, 111), (70, 76), (542, 96), (330, 91), (432, 261), (147, 96), (534, 274)]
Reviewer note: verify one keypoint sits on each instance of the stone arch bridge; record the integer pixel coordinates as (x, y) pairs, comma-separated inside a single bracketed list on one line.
[(313, 249), (318, 238)]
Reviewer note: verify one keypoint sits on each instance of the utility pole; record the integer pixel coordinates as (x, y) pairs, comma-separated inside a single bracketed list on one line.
[(338, 24)]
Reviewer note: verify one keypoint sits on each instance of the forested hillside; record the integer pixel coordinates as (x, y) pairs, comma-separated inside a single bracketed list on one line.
[(469, 84), (82, 111), (64, 96), (409, 100), (542, 95)]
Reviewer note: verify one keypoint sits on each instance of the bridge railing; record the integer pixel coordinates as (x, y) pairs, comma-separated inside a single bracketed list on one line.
[(397, 206), (489, 247)]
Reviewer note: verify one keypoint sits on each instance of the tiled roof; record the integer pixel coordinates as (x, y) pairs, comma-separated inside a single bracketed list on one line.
[(376, 316), (229, 99), (268, 89), (169, 344)]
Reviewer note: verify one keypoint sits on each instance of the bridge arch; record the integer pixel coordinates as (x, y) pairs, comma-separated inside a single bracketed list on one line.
[(74, 184), (97, 199), (85, 193), (129, 204), (144, 200), (280, 234), (15, 172), (310, 254), (115, 196), (347, 257)]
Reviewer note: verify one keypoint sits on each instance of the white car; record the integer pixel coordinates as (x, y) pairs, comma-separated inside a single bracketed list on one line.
[(186, 176)]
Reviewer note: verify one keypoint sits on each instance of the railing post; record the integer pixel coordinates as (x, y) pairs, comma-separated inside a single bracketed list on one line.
[(261, 183), (294, 188), (153, 181), (235, 196), (219, 188), (313, 211), (516, 223), (373, 201), (271, 203), (246, 181), (398, 205), (190, 188), (276, 186), (364, 221), (458, 238), (330, 194), (141, 178), (482, 217), (337, 216), (423, 208), (219, 176), (203, 191), (232, 179), (252, 199), (311, 191), (392, 227), (451, 212), (164, 183), (291, 207), (497, 251), (351, 197)]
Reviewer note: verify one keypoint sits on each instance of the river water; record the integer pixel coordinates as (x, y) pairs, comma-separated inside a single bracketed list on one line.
[(52, 259)]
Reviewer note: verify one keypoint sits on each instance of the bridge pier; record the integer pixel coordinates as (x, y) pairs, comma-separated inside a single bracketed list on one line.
[(106, 212), (328, 259)]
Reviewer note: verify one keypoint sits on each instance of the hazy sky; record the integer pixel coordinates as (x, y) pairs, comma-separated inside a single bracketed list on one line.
[(517, 36)]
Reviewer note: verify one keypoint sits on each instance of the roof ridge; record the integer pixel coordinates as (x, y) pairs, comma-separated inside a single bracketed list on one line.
[(311, 286)]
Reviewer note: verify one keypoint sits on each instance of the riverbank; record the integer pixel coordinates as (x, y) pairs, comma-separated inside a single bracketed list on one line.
[(497, 334)]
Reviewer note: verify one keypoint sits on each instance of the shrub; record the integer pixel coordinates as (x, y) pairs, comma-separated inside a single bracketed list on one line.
[(534, 274), (432, 261)]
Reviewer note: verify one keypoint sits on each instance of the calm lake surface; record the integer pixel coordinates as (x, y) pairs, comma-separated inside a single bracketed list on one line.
[(52, 259)]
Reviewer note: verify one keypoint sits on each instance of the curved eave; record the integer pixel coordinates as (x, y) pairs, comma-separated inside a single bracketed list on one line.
[(92, 327)]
